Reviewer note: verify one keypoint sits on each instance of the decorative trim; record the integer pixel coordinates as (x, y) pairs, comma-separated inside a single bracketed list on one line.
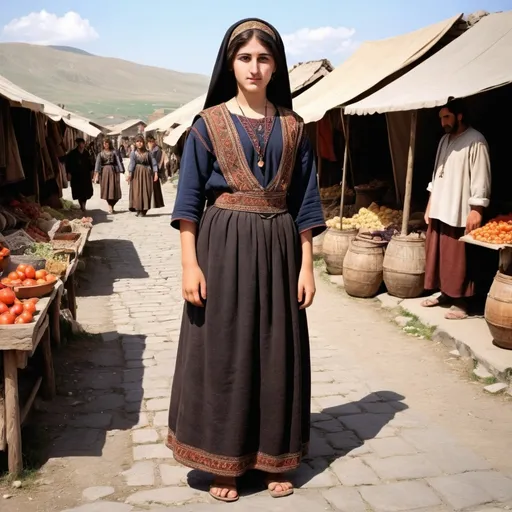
[(228, 149), (252, 25), (233, 466)]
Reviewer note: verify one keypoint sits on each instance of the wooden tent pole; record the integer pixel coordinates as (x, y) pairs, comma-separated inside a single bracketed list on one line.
[(410, 169), (345, 163), (349, 160)]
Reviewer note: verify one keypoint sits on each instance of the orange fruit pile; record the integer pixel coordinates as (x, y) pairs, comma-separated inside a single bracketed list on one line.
[(494, 232)]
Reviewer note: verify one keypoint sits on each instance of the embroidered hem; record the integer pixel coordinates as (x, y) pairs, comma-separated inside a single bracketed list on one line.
[(220, 465)]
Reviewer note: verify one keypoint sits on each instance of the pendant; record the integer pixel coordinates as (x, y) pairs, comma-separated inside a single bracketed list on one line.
[(261, 163)]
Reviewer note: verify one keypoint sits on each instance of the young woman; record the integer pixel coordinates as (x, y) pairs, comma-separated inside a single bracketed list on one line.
[(108, 169), (79, 168), (145, 189), (241, 389)]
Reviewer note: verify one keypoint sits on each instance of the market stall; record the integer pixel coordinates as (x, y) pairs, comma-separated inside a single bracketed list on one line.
[(481, 57), (42, 237)]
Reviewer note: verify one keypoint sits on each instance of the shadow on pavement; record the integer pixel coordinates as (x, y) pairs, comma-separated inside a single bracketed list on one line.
[(335, 433)]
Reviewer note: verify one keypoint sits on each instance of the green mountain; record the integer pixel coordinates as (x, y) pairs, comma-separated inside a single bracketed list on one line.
[(103, 89)]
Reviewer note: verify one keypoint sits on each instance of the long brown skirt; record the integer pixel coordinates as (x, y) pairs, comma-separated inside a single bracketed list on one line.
[(449, 265), (110, 185), (241, 390), (145, 192)]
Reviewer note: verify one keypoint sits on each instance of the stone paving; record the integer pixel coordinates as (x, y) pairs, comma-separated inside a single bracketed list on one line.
[(371, 450)]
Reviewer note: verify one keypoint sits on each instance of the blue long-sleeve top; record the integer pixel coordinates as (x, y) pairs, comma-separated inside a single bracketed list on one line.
[(201, 178), (147, 158), (108, 158)]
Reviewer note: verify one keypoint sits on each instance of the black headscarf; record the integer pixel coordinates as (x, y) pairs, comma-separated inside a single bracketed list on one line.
[(223, 83)]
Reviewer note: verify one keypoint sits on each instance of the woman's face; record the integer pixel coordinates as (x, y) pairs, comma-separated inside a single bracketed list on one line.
[(139, 144), (253, 66), (106, 145)]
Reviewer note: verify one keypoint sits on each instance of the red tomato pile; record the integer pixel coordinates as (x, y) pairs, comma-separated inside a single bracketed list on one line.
[(4, 253), (14, 311), (27, 275)]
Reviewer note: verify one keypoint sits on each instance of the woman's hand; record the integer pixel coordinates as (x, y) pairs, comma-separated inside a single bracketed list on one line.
[(128, 178), (194, 285), (155, 179), (307, 287)]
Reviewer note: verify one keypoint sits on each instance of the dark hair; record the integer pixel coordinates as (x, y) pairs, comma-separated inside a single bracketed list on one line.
[(150, 138), (109, 142), (78, 140), (265, 39), (457, 107), (140, 138)]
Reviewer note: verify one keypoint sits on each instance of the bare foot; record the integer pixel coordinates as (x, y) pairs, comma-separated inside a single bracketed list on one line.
[(224, 488)]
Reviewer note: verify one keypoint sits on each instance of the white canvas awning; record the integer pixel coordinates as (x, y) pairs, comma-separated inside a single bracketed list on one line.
[(178, 116), (373, 62), (306, 73), (478, 60), (25, 99), (175, 133), (118, 129)]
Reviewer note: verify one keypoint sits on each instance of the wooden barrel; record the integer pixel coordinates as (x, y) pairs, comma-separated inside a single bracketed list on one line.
[(335, 247), (362, 269), (498, 310), (318, 243), (404, 267)]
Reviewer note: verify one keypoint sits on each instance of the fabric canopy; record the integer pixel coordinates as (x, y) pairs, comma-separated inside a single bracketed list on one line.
[(178, 116), (118, 129), (305, 73), (478, 60), (175, 133), (28, 100), (373, 62)]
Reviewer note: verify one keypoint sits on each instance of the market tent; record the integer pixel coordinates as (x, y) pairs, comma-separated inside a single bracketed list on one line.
[(372, 63), (19, 96), (304, 74), (178, 116), (118, 129), (175, 133), (479, 60)]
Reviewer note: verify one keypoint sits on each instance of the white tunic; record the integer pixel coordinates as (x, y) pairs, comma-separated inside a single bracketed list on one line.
[(461, 179)]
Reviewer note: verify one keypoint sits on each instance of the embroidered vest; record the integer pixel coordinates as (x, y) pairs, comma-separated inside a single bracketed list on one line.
[(247, 194)]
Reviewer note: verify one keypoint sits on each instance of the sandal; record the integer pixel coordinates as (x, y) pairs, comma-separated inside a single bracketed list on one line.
[(269, 480), (456, 313), (432, 302), (222, 485)]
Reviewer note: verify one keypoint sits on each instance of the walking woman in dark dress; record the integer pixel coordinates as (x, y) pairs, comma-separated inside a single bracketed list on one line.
[(79, 169), (241, 389), (109, 168), (145, 188)]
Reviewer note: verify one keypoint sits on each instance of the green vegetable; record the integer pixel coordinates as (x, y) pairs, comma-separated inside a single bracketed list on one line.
[(45, 251)]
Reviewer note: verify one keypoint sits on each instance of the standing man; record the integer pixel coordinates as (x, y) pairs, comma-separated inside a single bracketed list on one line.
[(79, 169), (159, 155), (459, 191)]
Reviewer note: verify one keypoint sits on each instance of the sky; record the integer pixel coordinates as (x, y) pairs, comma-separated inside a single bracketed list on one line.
[(185, 35)]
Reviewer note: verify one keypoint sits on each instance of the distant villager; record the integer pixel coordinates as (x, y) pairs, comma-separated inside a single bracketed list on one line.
[(145, 188), (79, 169), (108, 167)]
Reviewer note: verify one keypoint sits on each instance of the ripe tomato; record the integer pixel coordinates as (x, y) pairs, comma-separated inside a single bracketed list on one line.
[(41, 281), (20, 320), (41, 274), (21, 275), (29, 282), (3, 308), (30, 307), (6, 281), (27, 316), (7, 296), (35, 300), (50, 278), (30, 272), (16, 310), (21, 267), (13, 276), (7, 319)]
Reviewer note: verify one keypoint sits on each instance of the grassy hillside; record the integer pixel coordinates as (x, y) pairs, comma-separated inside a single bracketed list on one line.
[(104, 89)]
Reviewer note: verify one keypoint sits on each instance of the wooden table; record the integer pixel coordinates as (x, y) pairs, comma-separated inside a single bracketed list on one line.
[(18, 343)]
